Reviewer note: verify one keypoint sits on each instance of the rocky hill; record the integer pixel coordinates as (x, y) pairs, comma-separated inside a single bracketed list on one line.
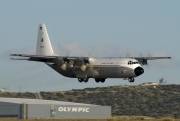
[(160, 101)]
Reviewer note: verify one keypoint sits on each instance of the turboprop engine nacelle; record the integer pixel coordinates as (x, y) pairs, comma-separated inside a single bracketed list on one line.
[(92, 73), (60, 61)]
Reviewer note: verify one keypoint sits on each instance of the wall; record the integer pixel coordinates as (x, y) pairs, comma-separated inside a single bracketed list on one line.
[(10, 110), (68, 111)]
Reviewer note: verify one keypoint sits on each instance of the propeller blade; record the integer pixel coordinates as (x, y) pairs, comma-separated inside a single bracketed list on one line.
[(128, 54), (149, 55), (68, 52), (89, 54), (141, 55), (148, 66)]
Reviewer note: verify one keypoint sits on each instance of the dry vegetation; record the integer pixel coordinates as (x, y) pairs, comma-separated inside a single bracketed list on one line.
[(163, 101), (132, 100)]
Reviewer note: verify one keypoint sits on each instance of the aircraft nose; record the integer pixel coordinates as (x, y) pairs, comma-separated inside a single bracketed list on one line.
[(138, 71)]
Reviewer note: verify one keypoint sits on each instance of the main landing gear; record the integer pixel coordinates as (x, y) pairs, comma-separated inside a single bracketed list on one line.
[(131, 80), (83, 79), (100, 80)]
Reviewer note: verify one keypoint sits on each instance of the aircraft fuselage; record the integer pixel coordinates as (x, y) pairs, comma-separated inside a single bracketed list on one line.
[(104, 68)]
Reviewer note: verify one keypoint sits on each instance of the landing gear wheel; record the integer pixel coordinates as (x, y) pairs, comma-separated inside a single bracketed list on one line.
[(102, 80), (80, 80), (86, 80), (131, 80), (83, 79), (97, 80)]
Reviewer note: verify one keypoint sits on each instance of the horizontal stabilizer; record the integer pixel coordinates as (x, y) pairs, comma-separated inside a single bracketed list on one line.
[(19, 58), (34, 56), (45, 57)]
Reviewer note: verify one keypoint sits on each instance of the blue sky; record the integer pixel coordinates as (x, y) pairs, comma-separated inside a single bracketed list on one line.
[(100, 27)]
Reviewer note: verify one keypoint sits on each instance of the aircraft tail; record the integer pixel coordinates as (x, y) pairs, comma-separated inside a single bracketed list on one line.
[(43, 42)]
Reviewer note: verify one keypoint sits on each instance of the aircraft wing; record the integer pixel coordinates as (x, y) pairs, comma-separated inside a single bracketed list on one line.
[(151, 58), (51, 59), (143, 60)]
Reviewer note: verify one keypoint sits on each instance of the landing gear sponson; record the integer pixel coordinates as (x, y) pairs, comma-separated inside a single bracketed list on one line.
[(96, 80), (102, 80)]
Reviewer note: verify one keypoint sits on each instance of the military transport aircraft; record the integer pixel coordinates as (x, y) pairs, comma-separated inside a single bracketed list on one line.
[(84, 68)]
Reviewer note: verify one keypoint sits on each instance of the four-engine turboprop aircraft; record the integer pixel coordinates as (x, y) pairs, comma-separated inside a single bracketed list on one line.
[(84, 68)]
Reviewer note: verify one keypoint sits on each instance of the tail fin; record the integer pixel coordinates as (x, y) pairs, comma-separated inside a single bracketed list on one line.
[(43, 42)]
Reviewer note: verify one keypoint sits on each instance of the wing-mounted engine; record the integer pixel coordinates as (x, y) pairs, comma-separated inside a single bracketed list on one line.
[(143, 61), (83, 63), (63, 62), (83, 68)]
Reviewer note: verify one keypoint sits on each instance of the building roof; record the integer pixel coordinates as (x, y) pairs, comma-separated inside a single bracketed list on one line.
[(38, 101)]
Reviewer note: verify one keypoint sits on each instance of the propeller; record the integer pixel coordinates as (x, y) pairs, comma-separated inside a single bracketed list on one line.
[(141, 55), (144, 61), (68, 53), (62, 62), (87, 64), (128, 54), (84, 63), (90, 54)]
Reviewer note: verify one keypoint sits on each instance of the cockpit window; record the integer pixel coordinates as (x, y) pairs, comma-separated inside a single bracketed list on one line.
[(131, 62)]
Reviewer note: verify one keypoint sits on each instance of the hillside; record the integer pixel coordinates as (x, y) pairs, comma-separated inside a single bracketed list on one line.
[(133, 100), (18, 95), (164, 100)]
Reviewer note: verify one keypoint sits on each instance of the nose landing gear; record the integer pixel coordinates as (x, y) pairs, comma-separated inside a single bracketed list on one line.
[(131, 80)]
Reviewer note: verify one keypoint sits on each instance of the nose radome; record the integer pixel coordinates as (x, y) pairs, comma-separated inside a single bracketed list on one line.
[(138, 71)]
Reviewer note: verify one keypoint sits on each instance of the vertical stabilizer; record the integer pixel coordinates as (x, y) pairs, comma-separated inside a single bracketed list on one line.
[(43, 42)]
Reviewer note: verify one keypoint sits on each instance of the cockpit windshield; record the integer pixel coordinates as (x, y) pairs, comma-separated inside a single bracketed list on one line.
[(131, 62)]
